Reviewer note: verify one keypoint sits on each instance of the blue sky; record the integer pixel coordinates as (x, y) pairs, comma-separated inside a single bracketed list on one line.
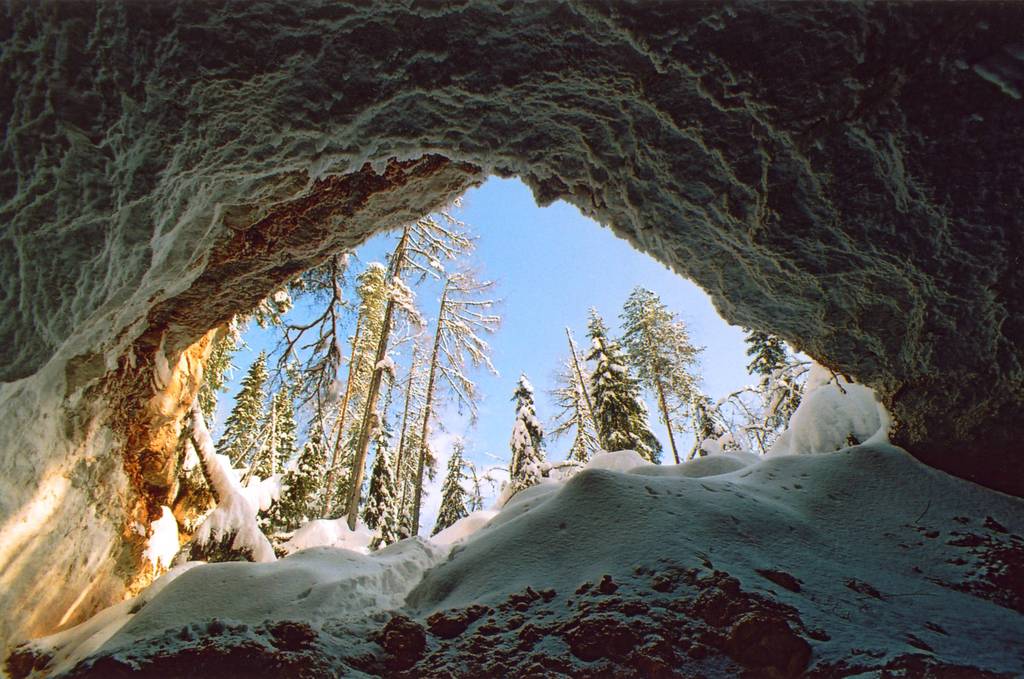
[(551, 265)]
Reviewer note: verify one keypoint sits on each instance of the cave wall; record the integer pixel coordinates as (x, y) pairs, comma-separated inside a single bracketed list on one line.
[(844, 175)]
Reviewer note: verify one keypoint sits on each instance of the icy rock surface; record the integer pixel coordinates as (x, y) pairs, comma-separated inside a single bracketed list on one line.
[(845, 175)]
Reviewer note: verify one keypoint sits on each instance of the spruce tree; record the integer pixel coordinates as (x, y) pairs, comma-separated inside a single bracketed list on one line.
[(380, 498), (453, 495), (781, 382), (665, 359), (287, 428), (242, 428), (707, 424), (767, 352), (527, 438), (300, 499), (620, 414)]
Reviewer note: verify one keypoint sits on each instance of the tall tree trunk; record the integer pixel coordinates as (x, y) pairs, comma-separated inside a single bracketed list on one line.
[(583, 384), (370, 409), (339, 421), (668, 422), (401, 438), (418, 494)]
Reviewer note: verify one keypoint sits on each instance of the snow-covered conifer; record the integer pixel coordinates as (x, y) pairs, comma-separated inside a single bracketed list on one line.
[(242, 427), (300, 499), (453, 495), (707, 425), (527, 438), (380, 498), (620, 413), (659, 348), (218, 367)]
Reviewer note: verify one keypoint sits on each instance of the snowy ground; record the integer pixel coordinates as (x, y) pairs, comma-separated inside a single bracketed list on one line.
[(852, 560), (859, 562)]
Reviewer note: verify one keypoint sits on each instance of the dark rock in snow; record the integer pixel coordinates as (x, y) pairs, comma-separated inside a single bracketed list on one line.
[(404, 641), (784, 580), (766, 642)]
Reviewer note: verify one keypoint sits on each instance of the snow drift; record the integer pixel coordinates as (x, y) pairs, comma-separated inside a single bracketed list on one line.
[(856, 560)]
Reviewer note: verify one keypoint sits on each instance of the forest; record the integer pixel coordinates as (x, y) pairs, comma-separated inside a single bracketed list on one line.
[(336, 422)]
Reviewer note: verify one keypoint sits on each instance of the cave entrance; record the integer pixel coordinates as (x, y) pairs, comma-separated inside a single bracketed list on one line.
[(550, 267)]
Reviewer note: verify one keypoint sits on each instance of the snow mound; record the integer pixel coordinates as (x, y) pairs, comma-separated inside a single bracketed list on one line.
[(619, 460), (834, 413), (463, 528), (68, 647), (711, 465), (336, 592), (876, 550), (329, 533)]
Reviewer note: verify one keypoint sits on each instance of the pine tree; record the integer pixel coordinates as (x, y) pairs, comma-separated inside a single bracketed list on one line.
[(300, 499), (767, 352), (380, 498), (707, 425), (660, 350), (453, 496), (242, 428), (287, 428), (620, 414), (527, 439)]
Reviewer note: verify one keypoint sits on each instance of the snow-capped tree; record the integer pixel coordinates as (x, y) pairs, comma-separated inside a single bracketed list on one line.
[(287, 428), (420, 253), (243, 426), (659, 349), (371, 292), (756, 415), (453, 495), (302, 486), (231, 531), (781, 384), (527, 442), (464, 314), (620, 413), (379, 509), (707, 425), (575, 408)]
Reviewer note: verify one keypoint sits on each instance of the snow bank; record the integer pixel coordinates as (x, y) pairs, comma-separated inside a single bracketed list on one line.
[(619, 460), (711, 465), (847, 525), (335, 591), (72, 645), (463, 528), (833, 414), (329, 533)]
